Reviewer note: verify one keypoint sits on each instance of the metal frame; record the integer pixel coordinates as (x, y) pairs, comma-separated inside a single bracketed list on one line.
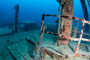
[(68, 17)]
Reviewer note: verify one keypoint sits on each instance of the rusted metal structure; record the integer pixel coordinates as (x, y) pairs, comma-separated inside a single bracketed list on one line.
[(68, 37), (66, 26), (64, 34), (55, 51), (86, 16)]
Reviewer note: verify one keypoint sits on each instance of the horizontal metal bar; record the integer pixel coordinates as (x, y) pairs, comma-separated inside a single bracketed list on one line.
[(77, 39), (80, 32), (85, 21), (74, 39)]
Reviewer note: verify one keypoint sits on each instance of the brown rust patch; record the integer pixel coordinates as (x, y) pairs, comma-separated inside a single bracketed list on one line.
[(77, 55)]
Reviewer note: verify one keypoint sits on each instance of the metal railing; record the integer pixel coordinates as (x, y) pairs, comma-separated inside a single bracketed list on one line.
[(60, 35)]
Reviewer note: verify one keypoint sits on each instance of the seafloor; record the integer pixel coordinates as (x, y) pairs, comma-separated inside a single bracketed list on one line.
[(15, 45), (7, 40)]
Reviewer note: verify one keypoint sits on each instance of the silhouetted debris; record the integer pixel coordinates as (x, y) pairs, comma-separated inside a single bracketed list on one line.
[(16, 7)]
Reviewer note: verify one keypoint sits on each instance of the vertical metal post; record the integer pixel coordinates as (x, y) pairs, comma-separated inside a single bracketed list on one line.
[(59, 21), (41, 33), (86, 16), (67, 10), (16, 17), (80, 38)]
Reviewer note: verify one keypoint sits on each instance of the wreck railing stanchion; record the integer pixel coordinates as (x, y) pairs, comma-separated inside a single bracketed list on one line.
[(41, 37), (42, 22), (59, 26), (41, 48), (59, 21), (80, 37), (86, 15), (60, 35)]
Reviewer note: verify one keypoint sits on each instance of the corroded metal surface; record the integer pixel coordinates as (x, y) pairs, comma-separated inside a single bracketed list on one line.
[(41, 33), (66, 27), (67, 10), (65, 32)]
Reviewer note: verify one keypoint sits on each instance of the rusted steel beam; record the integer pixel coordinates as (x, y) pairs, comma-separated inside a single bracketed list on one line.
[(79, 38), (41, 38), (74, 39), (67, 10), (41, 33), (63, 16), (64, 36), (59, 20), (69, 17)]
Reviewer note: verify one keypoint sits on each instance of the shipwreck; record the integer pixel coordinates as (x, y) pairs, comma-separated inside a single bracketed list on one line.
[(67, 46)]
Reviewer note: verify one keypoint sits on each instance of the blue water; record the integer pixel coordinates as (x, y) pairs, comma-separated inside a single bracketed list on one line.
[(32, 10)]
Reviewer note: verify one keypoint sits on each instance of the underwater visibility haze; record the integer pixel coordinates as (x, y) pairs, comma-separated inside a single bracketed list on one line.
[(44, 29)]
